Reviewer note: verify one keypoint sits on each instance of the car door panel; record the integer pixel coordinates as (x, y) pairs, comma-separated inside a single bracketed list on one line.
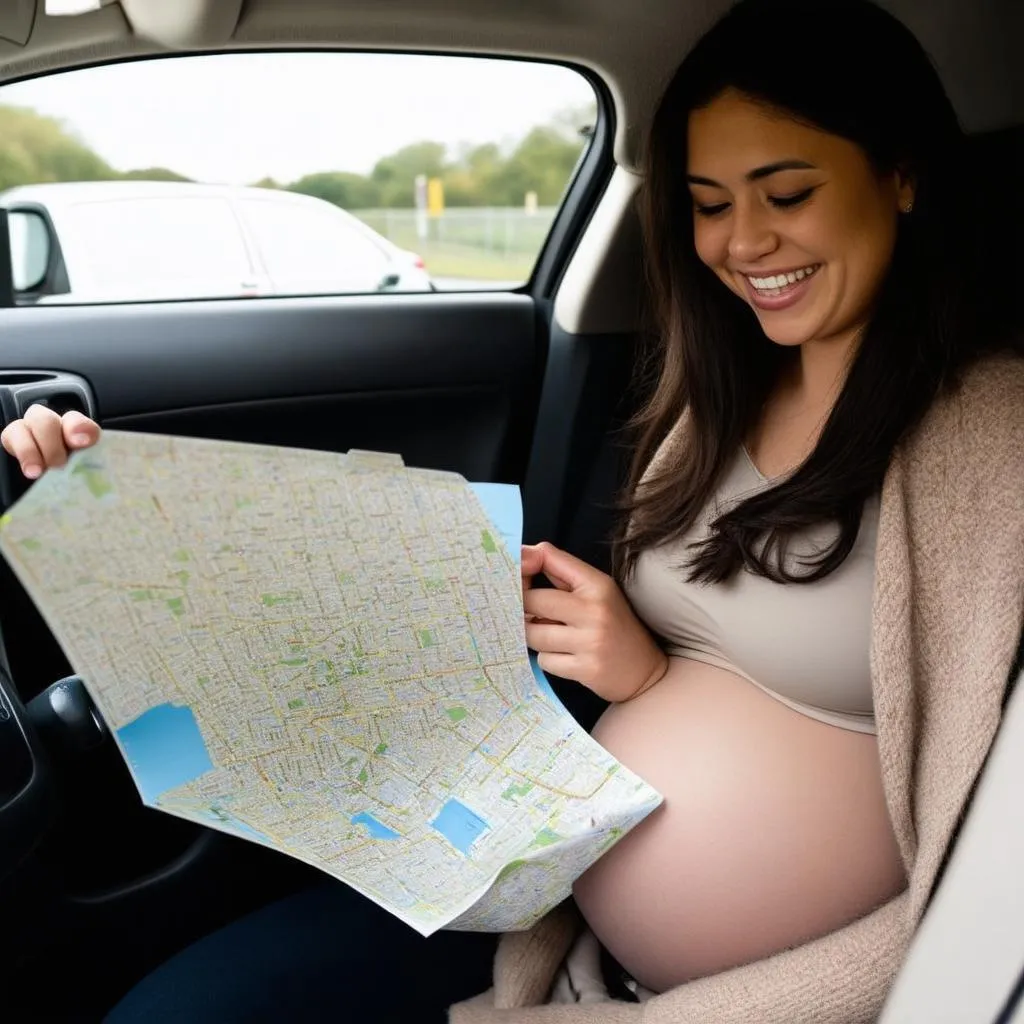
[(152, 357)]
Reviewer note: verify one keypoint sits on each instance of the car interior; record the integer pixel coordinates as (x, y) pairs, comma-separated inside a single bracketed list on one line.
[(528, 386)]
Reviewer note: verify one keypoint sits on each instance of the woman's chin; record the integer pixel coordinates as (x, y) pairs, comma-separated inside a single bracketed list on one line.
[(787, 335)]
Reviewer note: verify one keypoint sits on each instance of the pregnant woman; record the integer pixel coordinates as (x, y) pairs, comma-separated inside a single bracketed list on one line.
[(818, 583)]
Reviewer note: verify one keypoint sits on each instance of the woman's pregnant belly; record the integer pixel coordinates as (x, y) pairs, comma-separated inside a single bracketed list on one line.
[(774, 830)]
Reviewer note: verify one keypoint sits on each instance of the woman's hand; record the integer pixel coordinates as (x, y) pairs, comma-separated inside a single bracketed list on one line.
[(585, 629), (42, 440)]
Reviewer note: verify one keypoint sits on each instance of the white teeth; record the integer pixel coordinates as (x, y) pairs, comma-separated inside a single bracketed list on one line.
[(773, 284)]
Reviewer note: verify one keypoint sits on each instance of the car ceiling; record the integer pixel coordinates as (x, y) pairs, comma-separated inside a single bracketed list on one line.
[(633, 47)]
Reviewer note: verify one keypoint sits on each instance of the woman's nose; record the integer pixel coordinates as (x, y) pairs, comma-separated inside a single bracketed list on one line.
[(752, 233)]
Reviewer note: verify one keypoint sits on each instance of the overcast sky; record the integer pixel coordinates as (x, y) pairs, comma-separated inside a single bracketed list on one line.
[(239, 117)]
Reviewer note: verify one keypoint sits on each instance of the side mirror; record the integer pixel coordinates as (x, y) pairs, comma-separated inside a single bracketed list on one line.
[(30, 249)]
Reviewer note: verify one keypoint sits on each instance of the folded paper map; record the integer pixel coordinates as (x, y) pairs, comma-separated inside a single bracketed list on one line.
[(324, 653)]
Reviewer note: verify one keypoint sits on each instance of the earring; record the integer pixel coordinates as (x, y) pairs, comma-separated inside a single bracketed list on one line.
[(909, 207)]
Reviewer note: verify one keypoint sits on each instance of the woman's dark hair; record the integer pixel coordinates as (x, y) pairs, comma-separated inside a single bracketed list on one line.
[(851, 69)]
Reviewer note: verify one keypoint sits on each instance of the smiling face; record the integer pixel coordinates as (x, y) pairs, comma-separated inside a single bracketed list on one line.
[(795, 221)]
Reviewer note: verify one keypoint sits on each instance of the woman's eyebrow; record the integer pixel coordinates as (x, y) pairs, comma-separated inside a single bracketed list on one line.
[(757, 173)]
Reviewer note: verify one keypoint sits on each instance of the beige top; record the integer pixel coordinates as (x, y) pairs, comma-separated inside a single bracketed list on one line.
[(947, 609), (808, 645)]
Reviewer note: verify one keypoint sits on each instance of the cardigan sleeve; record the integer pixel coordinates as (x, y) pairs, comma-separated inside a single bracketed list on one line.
[(841, 978)]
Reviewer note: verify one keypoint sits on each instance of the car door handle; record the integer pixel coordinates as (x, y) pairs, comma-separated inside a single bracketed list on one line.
[(20, 389), (62, 392)]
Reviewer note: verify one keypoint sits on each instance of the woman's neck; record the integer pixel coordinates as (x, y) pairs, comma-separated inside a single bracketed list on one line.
[(817, 377), (796, 411)]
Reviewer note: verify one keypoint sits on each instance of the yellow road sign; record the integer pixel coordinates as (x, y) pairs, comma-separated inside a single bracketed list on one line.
[(435, 197)]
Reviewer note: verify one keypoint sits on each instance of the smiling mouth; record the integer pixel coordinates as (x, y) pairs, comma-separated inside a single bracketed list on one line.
[(774, 286)]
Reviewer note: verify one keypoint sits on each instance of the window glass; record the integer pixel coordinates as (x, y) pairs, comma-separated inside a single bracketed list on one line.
[(312, 247), (162, 246), (184, 177)]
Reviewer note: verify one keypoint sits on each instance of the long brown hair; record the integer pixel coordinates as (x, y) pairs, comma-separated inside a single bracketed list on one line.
[(849, 68)]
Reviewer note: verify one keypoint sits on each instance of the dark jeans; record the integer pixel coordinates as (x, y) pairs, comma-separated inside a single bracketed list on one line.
[(327, 954)]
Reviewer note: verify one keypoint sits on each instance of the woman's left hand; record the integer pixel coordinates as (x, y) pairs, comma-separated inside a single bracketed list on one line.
[(42, 440), (585, 629)]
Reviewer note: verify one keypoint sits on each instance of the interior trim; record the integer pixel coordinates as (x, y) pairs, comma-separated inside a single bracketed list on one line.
[(601, 290)]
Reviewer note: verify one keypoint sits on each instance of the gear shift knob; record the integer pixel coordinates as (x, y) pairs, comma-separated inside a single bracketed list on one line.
[(65, 718)]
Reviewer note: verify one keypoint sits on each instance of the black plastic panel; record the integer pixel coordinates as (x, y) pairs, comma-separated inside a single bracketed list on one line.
[(25, 805), (158, 356), (15, 756), (463, 430)]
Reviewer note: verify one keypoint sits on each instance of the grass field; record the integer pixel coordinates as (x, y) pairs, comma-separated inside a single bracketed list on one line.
[(489, 244), (447, 259)]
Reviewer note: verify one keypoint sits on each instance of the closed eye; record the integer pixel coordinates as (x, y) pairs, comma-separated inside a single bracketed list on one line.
[(788, 202), (710, 210), (779, 202)]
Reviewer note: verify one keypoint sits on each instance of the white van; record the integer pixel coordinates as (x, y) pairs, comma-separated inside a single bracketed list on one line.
[(125, 241)]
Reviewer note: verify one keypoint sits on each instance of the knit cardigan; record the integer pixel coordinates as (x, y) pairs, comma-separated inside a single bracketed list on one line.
[(947, 611)]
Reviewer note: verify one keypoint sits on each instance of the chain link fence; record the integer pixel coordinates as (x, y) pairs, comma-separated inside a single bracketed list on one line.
[(498, 244)]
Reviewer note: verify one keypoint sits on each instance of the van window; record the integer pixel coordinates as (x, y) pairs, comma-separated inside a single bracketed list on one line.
[(178, 177), (313, 248), (158, 247)]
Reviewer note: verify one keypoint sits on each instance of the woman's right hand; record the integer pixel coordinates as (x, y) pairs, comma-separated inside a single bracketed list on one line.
[(42, 439), (584, 628)]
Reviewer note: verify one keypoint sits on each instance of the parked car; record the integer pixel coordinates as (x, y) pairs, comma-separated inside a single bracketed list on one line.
[(123, 241)]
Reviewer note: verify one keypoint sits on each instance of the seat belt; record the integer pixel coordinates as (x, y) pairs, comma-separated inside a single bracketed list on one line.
[(585, 383)]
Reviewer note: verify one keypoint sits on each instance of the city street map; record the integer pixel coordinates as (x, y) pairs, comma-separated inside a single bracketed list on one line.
[(324, 653)]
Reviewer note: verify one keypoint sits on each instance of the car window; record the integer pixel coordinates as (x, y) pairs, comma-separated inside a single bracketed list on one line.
[(178, 177), (160, 247), (313, 248)]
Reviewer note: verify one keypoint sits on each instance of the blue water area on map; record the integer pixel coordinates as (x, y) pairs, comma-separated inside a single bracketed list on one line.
[(542, 682), (373, 826), (165, 749), (459, 825), (247, 830), (504, 507)]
